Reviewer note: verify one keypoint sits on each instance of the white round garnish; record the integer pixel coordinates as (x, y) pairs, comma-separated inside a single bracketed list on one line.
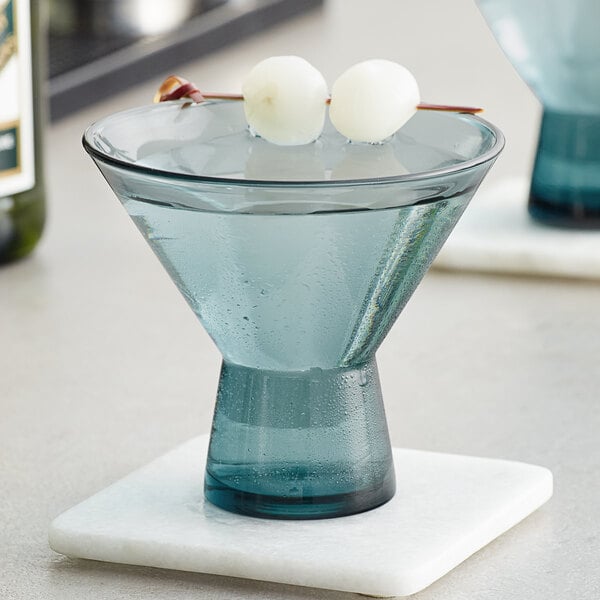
[(285, 100), (373, 99)]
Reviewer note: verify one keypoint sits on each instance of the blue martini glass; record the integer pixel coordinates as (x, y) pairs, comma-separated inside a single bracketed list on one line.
[(555, 47), (297, 261)]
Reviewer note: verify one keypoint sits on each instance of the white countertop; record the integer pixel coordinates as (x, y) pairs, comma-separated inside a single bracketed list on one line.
[(104, 367)]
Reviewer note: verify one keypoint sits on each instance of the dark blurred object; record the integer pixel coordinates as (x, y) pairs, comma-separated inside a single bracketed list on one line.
[(120, 17), (98, 48)]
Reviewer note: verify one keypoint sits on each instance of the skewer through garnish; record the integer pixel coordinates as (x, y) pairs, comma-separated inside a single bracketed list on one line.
[(185, 89)]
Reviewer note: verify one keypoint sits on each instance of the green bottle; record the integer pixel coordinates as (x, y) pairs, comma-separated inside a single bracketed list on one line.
[(22, 202)]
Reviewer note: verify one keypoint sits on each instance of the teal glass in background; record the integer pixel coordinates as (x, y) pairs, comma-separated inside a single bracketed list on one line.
[(555, 47), (297, 261)]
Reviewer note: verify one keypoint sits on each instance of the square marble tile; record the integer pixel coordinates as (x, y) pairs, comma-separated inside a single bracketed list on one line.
[(496, 234), (446, 508)]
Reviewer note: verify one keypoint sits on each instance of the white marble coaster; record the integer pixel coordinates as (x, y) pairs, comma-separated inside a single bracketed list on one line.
[(496, 234), (446, 508)]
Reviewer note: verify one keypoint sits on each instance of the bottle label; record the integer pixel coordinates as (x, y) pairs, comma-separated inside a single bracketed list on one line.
[(17, 168)]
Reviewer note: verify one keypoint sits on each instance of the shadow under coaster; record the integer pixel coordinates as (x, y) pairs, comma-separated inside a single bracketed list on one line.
[(446, 508)]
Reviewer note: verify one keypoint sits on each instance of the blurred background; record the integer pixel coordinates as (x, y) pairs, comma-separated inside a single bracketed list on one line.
[(114, 44)]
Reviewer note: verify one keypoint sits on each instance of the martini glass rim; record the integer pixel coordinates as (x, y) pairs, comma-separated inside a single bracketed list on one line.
[(488, 155)]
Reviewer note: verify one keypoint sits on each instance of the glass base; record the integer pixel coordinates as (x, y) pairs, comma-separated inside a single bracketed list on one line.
[(308, 507), (565, 186), (299, 445), (569, 215)]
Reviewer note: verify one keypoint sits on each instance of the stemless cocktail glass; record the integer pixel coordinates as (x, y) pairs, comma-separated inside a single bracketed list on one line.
[(555, 47), (297, 260)]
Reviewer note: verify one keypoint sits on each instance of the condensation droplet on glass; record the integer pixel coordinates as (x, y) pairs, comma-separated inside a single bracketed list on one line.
[(363, 379)]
